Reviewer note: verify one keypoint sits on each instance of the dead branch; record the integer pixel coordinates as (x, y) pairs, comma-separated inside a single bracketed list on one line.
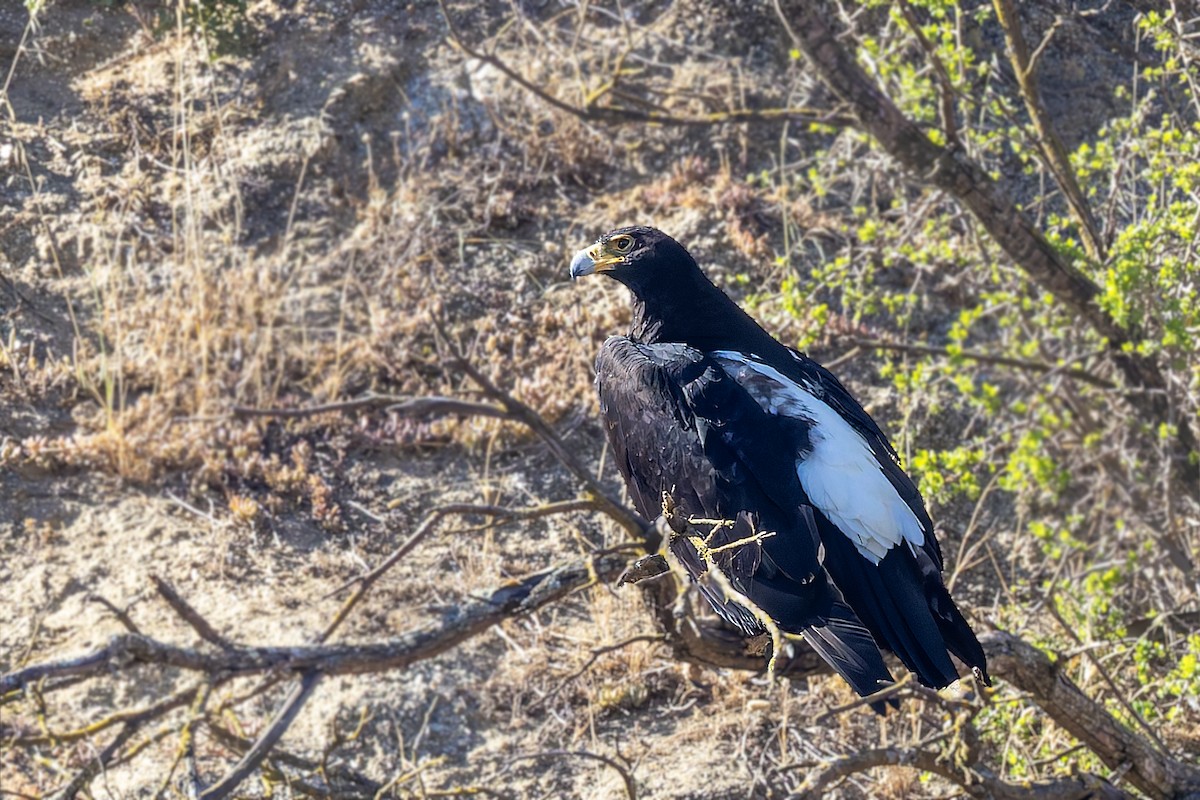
[(952, 171), (270, 737), (620, 513), (98, 764), (122, 615), (341, 782), (595, 655), (366, 581), (192, 617), (457, 625)]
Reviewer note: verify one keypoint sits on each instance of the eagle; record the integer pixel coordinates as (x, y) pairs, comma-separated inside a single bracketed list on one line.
[(807, 517)]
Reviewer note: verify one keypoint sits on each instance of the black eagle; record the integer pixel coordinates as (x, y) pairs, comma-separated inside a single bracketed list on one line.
[(825, 532)]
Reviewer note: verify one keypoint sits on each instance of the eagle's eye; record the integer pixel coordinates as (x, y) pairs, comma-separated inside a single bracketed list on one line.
[(622, 244)]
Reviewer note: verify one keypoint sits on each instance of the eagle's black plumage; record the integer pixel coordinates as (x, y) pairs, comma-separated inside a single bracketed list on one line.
[(703, 404)]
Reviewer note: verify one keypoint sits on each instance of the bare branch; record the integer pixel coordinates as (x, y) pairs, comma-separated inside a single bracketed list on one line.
[(365, 582), (624, 516), (457, 625), (596, 653), (122, 615), (192, 617), (1152, 771), (1055, 152), (270, 737)]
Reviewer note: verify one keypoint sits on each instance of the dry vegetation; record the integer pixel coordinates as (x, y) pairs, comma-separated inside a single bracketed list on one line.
[(196, 229)]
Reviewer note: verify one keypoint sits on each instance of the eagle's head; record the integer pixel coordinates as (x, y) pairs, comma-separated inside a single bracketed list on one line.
[(642, 258)]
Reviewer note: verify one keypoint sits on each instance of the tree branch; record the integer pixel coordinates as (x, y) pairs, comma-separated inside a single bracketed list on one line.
[(1050, 143), (950, 170), (270, 737), (457, 625), (192, 617), (1156, 773)]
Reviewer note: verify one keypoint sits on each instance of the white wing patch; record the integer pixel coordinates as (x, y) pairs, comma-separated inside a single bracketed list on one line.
[(841, 475)]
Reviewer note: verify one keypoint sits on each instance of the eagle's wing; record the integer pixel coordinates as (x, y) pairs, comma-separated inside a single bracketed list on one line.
[(677, 423), (879, 543), (825, 386)]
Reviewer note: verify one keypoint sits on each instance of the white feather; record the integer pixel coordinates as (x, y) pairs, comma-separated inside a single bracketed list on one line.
[(841, 475)]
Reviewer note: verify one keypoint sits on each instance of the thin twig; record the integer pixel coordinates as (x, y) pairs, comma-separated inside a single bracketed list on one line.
[(1052, 607), (620, 513), (883, 694), (596, 653), (96, 765), (283, 720), (984, 358), (122, 615), (945, 85), (1049, 142), (192, 617)]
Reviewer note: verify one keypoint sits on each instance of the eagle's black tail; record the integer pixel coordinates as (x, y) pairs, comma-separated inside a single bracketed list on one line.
[(847, 646), (957, 631), (892, 603)]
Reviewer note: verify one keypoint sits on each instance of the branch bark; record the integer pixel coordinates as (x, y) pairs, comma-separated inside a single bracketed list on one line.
[(1052, 147), (1152, 771), (456, 626)]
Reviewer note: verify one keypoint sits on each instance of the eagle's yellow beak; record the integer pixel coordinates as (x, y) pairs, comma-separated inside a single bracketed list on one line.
[(594, 259)]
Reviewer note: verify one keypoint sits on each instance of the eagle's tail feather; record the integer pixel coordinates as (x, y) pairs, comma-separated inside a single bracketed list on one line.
[(907, 624), (890, 600), (847, 646), (958, 634)]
